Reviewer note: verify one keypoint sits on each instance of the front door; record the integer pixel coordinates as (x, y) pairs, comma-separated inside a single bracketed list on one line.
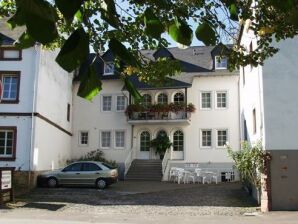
[(144, 145)]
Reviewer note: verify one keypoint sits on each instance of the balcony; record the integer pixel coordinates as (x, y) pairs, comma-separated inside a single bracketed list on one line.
[(159, 114)]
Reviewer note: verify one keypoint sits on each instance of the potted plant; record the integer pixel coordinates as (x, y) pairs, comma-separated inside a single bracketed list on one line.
[(133, 110), (161, 143)]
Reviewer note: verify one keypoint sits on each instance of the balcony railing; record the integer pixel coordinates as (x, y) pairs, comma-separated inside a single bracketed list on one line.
[(147, 115)]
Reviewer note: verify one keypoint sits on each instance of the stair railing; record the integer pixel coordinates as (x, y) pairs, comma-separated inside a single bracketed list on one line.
[(165, 162), (128, 161)]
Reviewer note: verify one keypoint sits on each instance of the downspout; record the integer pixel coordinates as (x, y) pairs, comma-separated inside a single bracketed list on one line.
[(37, 49)]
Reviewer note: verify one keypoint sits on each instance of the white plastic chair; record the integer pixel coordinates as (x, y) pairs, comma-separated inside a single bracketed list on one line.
[(173, 173), (189, 176), (228, 176), (200, 175), (180, 175)]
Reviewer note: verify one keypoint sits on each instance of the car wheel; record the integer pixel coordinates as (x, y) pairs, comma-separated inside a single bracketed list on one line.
[(52, 182), (101, 183)]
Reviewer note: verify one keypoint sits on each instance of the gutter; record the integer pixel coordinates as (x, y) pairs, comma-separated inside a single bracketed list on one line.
[(37, 49)]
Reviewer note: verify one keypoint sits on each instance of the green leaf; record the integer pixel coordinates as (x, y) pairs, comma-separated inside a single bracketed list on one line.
[(40, 18), (90, 84), (132, 90), (153, 26), (109, 13), (18, 19), (74, 51), (68, 7), (24, 41), (233, 12), (206, 34), (181, 32), (118, 49)]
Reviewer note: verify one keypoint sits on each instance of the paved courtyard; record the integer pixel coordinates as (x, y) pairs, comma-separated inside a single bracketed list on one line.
[(141, 197)]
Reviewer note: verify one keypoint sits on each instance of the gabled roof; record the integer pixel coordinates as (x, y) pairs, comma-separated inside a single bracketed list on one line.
[(10, 36)]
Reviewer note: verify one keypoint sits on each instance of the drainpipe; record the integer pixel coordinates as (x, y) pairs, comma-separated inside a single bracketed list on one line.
[(37, 49)]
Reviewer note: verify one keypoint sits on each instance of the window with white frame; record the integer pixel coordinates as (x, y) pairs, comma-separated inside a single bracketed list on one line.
[(221, 62), (106, 103), (84, 138), (106, 139), (206, 100), (10, 87), (206, 138), (109, 68), (121, 103), (162, 98), (178, 140), (179, 98), (221, 99), (145, 139), (7, 139), (119, 139), (146, 100), (222, 138)]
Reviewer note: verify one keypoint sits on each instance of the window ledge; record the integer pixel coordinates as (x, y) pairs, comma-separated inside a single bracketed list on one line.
[(7, 158)]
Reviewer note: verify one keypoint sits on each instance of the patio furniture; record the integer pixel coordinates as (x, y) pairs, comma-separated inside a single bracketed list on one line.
[(180, 175), (188, 175), (228, 176), (173, 173), (200, 175), (211, 176)]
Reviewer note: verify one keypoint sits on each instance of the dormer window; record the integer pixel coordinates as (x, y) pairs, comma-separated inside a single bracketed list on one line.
[(221, 62), (108, 68)]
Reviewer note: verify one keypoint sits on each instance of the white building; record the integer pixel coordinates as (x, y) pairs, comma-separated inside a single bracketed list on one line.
[(197, 138), (268, 109), (35, 109)]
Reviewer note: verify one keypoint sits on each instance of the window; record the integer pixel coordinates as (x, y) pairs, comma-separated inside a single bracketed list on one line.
[(10, 85), (108, 68), (84, 137), (119, 139), (106, 103), (7, 142), (106, 139), (162, 98), (178, 141), (206, 100), (76, 167), (206, 138), (121, 103), (222, 138), (145, 141), (221, 99), (179, 98), (68, 112), (146, 100), (90, 167), (254, 120), (10, 54), (221, 62)]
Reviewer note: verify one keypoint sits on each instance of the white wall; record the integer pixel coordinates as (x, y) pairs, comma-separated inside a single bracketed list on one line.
[(213, 119), (280, 75), (54, 90), (27, 73), (88, 116), (51, 147), (251, 95)]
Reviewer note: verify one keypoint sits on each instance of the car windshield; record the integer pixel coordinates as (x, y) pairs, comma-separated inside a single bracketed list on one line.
[(108, 166)]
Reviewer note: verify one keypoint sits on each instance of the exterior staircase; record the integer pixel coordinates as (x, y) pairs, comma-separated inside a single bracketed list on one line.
[(145, 170)]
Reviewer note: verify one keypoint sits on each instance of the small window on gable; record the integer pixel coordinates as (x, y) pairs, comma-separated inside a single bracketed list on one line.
[(10, 54), (109, 68), (221, 62)]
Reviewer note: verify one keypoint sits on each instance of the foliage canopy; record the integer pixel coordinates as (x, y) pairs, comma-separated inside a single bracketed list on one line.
[(126, 26)]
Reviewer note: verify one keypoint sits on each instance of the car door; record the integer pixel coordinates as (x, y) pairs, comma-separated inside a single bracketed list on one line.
[(71, 174), (90, 172)]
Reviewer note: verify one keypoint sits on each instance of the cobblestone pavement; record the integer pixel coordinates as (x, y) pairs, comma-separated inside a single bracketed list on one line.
[(143, 198)]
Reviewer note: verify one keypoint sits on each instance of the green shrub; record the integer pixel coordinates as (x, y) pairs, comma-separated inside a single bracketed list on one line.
[(96, 155)]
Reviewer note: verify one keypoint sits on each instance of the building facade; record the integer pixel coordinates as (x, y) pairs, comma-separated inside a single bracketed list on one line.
[(268, 111), (35, 110)]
